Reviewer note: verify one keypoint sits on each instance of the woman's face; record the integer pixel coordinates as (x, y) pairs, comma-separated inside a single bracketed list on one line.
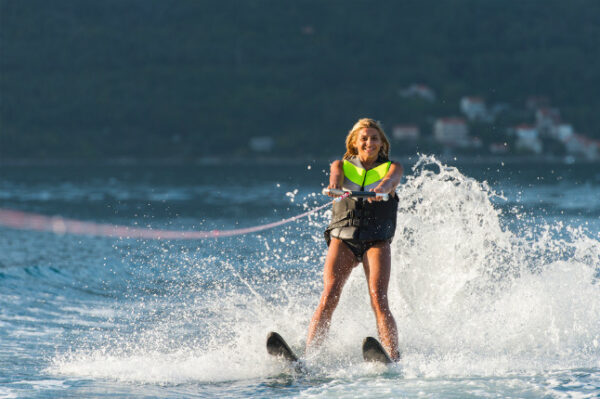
[(368, 143)]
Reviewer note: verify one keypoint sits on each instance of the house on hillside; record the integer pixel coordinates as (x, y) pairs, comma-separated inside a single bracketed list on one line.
[(474, 108), (579, 145), (418, 91), (546, 119), (528, 139), (406, 132), (562, 132), (452, 132)]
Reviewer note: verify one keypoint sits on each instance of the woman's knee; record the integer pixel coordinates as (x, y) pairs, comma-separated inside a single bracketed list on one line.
[(379, 301), (333, 288), (331, 292)]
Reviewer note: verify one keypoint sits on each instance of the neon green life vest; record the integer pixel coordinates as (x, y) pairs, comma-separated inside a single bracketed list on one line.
[(356, 178), (355, 219)]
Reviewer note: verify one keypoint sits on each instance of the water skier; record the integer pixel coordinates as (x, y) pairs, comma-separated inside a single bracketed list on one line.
[(361, 231)]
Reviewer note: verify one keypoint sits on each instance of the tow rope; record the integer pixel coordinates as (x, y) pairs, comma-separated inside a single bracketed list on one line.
[(59, 225)]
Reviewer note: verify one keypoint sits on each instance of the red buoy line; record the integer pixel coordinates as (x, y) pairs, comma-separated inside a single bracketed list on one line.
[(59, 225)]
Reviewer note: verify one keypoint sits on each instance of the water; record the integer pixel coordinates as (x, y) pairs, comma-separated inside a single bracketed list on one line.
[(494, 285)]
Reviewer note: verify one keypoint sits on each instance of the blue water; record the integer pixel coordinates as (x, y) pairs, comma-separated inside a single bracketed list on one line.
[(494, 284)]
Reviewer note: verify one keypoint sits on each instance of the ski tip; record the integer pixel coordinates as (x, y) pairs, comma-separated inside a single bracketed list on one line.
[(274, 343), (273, 336), (276, 346), (374, 352)]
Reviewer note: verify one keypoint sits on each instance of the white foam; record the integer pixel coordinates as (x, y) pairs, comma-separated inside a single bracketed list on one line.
[(166, 368), (470, 298), (8, 393)]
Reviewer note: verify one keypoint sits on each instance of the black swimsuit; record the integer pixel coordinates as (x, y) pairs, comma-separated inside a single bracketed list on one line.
[(359, 247)]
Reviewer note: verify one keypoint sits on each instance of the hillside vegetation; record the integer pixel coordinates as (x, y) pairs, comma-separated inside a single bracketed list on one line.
[(112, 78)]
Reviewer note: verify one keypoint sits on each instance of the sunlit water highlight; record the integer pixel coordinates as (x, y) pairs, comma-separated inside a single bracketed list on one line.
[(493, 293)]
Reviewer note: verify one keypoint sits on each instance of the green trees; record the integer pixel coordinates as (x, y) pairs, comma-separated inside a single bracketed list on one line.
[(188, 79)]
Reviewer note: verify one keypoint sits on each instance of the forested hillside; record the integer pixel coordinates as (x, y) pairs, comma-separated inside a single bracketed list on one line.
[(112, 78)]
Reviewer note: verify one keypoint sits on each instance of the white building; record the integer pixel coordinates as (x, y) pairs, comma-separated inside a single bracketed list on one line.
[(579, 145), (451, 131), (406, 132), (563, 132), (474, 108), (528, 139), (418, 91)]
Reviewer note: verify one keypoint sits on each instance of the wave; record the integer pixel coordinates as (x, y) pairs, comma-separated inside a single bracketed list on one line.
[(476, 291)]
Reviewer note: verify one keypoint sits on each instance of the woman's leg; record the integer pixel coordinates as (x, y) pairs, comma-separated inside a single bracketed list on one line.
[(338, 265), (377, 264)]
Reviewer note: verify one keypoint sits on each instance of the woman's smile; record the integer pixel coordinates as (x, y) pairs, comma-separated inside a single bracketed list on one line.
[(368, 143)]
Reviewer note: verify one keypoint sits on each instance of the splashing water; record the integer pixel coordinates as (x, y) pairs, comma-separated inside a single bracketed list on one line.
[(475, 290), (477, 298)]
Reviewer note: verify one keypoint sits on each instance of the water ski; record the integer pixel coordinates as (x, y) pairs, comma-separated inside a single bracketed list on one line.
[(374, 352), (276, 346)]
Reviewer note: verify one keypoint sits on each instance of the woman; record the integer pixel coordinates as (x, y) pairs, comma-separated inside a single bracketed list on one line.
[(361, 230)]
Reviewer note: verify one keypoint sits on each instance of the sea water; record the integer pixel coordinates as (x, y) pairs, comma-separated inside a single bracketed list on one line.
[(494, 286)]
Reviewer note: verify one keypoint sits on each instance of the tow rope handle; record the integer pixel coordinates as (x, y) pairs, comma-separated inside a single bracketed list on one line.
[(355, 194)]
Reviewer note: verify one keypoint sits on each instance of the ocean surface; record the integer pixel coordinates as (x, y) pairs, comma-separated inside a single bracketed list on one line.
[(495, 284)]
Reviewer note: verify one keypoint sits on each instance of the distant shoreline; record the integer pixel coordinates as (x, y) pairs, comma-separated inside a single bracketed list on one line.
[(281, 161)]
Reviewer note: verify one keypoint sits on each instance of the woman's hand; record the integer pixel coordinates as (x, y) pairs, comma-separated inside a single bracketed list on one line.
[(390, 181), (336, 176), (334, 186), (385, 187)]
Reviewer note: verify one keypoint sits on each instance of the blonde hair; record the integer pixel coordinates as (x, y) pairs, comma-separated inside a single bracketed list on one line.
[(358, 126)]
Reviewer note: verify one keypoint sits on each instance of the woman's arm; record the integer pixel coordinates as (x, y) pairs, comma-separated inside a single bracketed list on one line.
[(391, 180), (336, 175)]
